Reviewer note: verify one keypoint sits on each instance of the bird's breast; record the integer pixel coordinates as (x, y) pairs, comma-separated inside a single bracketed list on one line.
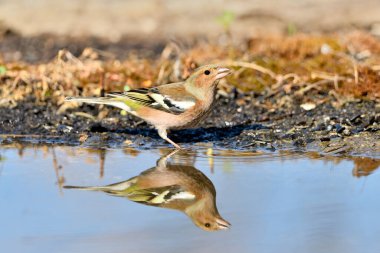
[(195, 115)]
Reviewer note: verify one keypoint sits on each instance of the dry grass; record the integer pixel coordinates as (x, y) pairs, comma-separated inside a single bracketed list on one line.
[(340, 68)]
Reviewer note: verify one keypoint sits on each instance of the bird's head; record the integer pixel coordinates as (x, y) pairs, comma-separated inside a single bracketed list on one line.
[(208, 76)]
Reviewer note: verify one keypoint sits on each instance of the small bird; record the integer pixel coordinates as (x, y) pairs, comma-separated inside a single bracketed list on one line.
[(179, 187), (169, 106)]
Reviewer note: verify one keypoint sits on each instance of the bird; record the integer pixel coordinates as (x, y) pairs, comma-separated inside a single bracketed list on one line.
[(174, 186), (169, 106)]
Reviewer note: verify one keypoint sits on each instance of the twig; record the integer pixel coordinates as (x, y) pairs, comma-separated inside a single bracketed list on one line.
[(57, 167), (282, 78), (310, 86), (336, 80), (102, 158), (326, 76), (84, 115), (102, 83), (354, 65), (251, 65), (161, 74), (356, 72)]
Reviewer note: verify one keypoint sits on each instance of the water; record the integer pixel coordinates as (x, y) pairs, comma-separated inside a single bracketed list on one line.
[(276, 202)]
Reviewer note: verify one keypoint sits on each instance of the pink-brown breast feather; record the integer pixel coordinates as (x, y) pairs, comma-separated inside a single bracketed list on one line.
[(189, 118)]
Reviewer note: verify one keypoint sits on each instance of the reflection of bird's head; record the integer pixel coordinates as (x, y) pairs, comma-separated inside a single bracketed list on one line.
[(204, 213), (207, 217), (212, 223)]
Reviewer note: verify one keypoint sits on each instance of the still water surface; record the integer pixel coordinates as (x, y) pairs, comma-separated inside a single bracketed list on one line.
[(276, 202)]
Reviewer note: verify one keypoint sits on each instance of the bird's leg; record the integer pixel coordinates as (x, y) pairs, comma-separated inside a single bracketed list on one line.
[(162, 133), (161, 163)]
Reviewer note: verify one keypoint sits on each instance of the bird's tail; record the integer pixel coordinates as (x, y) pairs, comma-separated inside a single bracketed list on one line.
[(114, 189), (91, 100), (101, 100), (85, 188)]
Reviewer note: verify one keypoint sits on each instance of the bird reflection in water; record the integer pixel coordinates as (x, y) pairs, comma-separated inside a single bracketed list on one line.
[(174, 186)]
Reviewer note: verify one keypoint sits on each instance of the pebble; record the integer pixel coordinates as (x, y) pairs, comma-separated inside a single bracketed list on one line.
[(308, 106), (346, 132), (300, 142), (64, 129), (339, 128), (319, 127)]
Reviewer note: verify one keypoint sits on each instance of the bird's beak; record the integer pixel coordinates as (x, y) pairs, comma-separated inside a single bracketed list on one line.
[(222, 72), (222, 224)]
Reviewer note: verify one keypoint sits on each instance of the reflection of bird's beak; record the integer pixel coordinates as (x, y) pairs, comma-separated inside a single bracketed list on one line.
[(222, 72), (223, 224)]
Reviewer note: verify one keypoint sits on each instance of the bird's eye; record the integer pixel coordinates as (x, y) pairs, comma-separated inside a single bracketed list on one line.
[(207, 225), (207, 72)]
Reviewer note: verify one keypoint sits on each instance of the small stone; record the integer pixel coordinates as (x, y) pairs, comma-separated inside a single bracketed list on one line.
[(355, 117), (83, 138), (319, 127), (128, 142), (93, 141), (300, 142), (372, 120), (325, 138), (377, 119), (64, 129), (308, 106), (337, 149), (357, 130), (326, 49), (346, 132), (339, 128), (377, 108)]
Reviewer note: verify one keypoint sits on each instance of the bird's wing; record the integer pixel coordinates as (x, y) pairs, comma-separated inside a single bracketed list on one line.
[(161, 195), (170, 98)]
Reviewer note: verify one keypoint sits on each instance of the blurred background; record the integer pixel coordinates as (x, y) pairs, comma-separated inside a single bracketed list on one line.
[(163, 19)]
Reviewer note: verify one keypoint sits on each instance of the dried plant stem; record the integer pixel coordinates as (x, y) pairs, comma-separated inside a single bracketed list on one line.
[(57, 167), (327, 76), (356, 72), (251, 65)]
